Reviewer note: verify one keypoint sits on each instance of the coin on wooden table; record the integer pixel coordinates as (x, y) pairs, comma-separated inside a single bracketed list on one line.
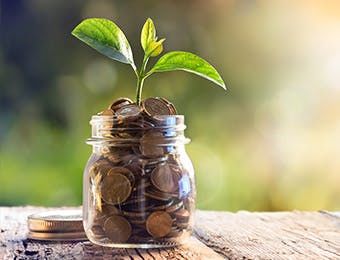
[(166, 177), (117, 229), (115, 188), (159, 224), (119, 103), (130, 111), (156, 107)]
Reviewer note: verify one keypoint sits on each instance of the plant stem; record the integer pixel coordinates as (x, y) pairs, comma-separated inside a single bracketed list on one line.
[(140, 80)]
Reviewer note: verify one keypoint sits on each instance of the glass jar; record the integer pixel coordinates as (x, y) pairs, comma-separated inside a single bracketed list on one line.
[(139, 189)]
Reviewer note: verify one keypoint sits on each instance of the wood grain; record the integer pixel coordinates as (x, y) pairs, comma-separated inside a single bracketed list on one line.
[(282, 235), (14, 244), (218, 235)]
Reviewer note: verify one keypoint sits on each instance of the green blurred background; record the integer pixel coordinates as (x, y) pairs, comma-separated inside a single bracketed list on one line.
[(271, 142)]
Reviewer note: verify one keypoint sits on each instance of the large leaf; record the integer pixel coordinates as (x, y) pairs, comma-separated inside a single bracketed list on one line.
[(105, 36), (148, 34), (180, 60)]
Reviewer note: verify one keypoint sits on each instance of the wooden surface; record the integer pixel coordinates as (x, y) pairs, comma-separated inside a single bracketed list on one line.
[(218, 235)]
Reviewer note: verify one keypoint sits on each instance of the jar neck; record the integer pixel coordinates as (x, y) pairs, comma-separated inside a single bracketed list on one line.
[(160, 131)]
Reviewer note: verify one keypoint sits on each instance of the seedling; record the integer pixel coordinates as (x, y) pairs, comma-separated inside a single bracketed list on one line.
[(107, 38)]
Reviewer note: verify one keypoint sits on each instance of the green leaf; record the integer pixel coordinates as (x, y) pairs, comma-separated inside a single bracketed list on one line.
[(180, 60), (155, 48), (105, 36), (148, 34)]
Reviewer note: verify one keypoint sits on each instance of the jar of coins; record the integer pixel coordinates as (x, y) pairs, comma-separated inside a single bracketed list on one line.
[(139, 188)]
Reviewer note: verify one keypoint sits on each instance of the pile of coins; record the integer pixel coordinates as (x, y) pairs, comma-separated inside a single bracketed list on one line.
[(140, 188)]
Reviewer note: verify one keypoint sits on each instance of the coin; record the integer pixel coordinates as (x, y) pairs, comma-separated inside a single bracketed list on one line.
[(115, 188), (175, 232), (170, 105), (123, 171), (166, 177), (162, 206), (158, 195), (159, 224), (119, 103), (117, 229), (100, 168), (132, 214), (97, 231), (109, 210), (113, 157), (174, 207), (182, 215), (156, 107), (129, 111), (149, 144), (107, 112)]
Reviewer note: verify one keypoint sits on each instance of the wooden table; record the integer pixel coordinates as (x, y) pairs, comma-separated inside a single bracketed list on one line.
[(218, 235)]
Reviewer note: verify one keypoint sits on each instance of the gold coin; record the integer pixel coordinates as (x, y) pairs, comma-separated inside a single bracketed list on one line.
[(117, 229), (119, 103), (166, 177), (115, 188), (156, 107), (159, 224)]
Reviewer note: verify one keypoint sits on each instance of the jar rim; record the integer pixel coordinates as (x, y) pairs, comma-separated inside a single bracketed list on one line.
[(104, 134)]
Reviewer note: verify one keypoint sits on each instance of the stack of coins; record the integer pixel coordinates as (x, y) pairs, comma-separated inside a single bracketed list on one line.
[(140, 190)]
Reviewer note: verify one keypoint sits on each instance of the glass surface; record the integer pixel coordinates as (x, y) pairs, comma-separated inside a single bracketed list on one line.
[(139, 188)]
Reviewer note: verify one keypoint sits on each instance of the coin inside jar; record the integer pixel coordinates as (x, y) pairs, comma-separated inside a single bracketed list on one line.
[(182, 215), (170, 105), (115, 188), (165, 177), (159, 224), (129, 111), (156, 107), (117, 229), (107, 112), (119, 103), (123, 171), (148, 144)]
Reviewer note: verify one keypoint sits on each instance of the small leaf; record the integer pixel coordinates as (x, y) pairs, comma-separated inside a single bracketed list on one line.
[(148, 34), (155, 48), (105, 36), (180, 60)]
